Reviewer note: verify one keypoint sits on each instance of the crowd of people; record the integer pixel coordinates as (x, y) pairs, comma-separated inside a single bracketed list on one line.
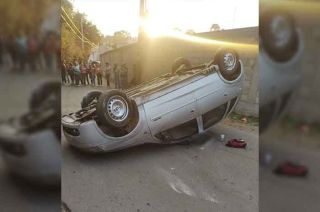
[(29, 51), (36, 52), (91, 73)]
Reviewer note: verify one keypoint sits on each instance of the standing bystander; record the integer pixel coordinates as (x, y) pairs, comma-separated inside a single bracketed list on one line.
[(108, 73)]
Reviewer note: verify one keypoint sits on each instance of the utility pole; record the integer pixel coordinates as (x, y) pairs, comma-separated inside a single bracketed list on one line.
[(234, 16), (82, 35), (141, 52), (143, 15), (143, 8)]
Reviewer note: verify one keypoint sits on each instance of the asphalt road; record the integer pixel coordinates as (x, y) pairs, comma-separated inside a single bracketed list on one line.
[(17, 194), (281, 193), (202, 176)]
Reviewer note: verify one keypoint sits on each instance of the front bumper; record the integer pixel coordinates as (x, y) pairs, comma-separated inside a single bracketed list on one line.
[(36, 157), (89, 137)]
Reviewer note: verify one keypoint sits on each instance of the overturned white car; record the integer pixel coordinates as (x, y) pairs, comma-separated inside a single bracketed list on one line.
[(30, 143), (280, 59), (167, 109)]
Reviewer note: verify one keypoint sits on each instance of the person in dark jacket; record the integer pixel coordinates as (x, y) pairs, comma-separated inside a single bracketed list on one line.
[(33, 51), (83, 74), (22, 46), (93, 74), (70, 73), (1, 50), (12, 48), (124, 76), (108, 73), (137, 73), (64, 75), (99, 74), (77, 73), (116, 73), (87, 77)]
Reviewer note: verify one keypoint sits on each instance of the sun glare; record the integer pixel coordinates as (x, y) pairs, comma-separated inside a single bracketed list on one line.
[(164, 16), (155, 29)]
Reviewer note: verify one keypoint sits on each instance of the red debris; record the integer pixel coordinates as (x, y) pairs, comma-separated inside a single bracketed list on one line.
[(291, 169), (305, 129), (236, 143)]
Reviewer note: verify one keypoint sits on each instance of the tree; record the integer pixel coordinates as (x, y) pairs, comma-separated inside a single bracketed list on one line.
[(23, 15), (177, 29), (122, 35), (71, 43), (215, 27), (190, 32)]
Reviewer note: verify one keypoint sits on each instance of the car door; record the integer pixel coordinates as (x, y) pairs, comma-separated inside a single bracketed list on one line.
[(172, 109), (211, 93)]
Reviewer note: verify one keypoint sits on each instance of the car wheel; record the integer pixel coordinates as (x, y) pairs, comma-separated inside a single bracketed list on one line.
[(47, 91), (114, 109), (87, 99), (180, 61), (229, 65), (278, 35)]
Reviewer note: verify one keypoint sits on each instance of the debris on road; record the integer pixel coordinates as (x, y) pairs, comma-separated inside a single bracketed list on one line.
[(305, 129), (236, 143), (244, 120), (265, 158), (222, 136), (291, 169)]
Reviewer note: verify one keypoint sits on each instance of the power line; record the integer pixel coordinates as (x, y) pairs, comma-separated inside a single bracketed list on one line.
[(74, 32), (85, 38), (77, 34), (72, 29), (70, 20)]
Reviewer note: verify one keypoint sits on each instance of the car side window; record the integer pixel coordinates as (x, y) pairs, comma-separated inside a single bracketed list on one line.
[(214, 116), (179, 132)]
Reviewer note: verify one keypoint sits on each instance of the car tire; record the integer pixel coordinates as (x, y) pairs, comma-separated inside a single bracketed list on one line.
[(134, 116), (229, 64), (42, 92), (178, 63), (114, 109), (278, 52), (87, 99)]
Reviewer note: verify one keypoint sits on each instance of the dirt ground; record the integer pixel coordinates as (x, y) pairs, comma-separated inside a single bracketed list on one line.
[(281, 193)]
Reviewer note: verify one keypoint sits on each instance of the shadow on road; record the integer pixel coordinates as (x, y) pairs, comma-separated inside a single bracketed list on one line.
[(144, 150)]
